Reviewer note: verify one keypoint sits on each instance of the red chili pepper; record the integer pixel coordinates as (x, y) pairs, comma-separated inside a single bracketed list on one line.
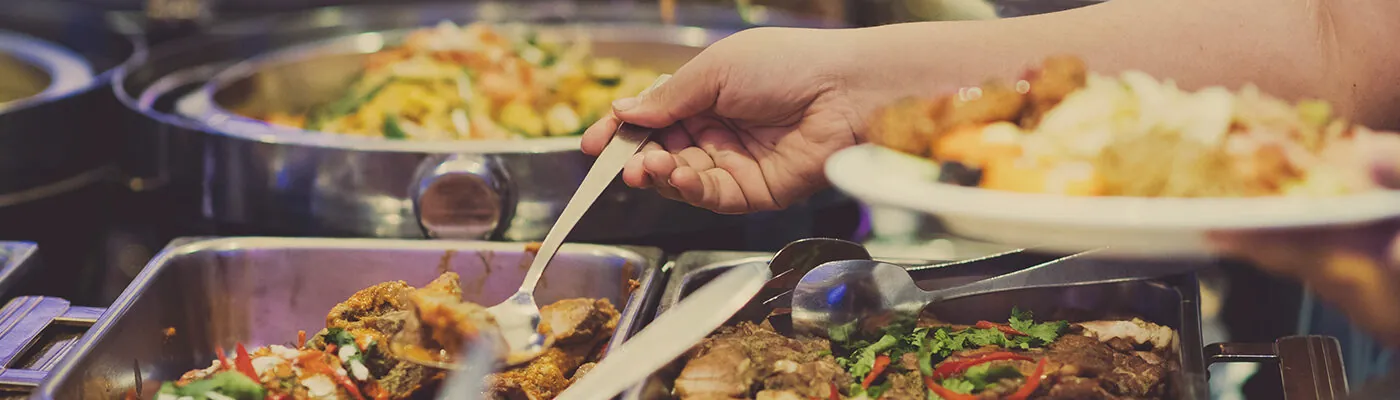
[(953, 367), (301, 339), (330, 348), (375, 392), (1007, 329), (224, 363), (944, 392), (1032, 383), (349, 386), (245, 363), (881, 362)]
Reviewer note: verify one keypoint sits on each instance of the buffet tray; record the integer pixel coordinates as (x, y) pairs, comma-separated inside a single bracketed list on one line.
[(1311, 365), (201, 294)]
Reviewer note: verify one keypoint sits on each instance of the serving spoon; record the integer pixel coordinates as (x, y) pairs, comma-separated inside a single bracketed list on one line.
[(844, 292), (518, 317)]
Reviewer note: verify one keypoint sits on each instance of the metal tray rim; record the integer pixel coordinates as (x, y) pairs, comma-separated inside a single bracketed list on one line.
[(182, 246), (679, 275), (227, 123)]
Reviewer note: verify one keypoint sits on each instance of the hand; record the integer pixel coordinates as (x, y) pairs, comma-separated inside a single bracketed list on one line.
[(747, 124), (1356, 268)]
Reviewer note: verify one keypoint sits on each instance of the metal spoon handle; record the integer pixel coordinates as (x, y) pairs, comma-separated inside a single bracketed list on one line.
[(1077, 269), (625, 142)]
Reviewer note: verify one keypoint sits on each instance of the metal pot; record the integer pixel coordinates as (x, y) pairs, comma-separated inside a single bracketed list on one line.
[(55, 61), (292, 182)]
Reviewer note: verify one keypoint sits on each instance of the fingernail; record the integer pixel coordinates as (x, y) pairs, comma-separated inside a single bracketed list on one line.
[(624, 104)]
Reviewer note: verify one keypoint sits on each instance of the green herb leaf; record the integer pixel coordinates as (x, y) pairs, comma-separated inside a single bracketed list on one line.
[(876, 391), (958, 385), (392, 129)]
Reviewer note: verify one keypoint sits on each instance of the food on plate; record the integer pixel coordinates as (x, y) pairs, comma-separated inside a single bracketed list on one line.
[(1064, 130), (927, 358), (476, 82), (350, 359)]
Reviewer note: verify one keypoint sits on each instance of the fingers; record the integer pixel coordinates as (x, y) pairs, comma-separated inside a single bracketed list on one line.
[(597, 136), (692, 90)]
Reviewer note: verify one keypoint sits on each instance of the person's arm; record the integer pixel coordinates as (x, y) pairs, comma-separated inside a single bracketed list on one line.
[(1345, 51)]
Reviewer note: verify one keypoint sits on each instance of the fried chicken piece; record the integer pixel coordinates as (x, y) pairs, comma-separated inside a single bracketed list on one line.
[(450, 322), (543, 378), (578, 320), (1057, 77), (581, 371), (908, 125), (368, 303), (992, 102), (578, 326)]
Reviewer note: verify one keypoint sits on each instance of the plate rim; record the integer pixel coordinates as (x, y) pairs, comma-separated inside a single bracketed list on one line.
[(847, 171)]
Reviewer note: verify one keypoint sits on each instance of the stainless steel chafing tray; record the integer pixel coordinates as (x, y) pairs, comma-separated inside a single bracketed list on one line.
[(16, 259), (202, 294), (1311, 365)]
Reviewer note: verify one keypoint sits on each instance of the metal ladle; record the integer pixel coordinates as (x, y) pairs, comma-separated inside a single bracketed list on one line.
[(518, 317), (843, 292)]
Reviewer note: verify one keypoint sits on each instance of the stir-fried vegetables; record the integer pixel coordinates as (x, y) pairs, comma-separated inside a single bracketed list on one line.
[(933, 348), (476, 82)]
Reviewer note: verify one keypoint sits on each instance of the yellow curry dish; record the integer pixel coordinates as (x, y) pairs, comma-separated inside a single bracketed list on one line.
[(1064, 130), (476, 82)]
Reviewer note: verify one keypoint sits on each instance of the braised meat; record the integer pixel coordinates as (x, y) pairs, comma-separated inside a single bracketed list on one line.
[(351, 359), (577, 326), (743, 360), (909, 359)]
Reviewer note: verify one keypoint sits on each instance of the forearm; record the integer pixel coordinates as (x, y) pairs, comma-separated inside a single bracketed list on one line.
[(1347, 52)]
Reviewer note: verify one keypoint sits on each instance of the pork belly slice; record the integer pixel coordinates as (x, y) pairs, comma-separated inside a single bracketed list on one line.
[(740, 358), (579, 320)]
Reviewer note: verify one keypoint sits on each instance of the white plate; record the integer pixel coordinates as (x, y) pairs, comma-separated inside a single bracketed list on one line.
[(1129, 226)]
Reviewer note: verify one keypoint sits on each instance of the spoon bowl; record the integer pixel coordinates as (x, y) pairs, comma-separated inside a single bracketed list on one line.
[(518, 318), (861, 293)]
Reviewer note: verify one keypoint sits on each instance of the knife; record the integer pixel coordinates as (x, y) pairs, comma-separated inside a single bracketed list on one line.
[(672, 334)]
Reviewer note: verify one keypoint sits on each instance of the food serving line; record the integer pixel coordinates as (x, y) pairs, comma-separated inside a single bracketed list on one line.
[(195, 160)]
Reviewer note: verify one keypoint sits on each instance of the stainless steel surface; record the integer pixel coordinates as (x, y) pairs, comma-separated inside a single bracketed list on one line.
[(671, 334), (263, 290), (843, 292), (70, 50), (293, 183), (518, 316), (23, 322), (1170, 301), (16, 260), (789, 265), (1311, 366)]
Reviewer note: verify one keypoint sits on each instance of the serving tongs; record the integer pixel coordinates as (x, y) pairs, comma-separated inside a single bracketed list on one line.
[(843, 293), (797, 259)]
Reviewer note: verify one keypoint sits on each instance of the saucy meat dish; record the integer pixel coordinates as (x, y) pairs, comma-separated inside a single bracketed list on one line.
[(350, 358), (1062, 129), (927, 358)]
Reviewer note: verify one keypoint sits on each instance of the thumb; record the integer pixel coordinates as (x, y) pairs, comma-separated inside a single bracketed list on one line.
[(690, 91)]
